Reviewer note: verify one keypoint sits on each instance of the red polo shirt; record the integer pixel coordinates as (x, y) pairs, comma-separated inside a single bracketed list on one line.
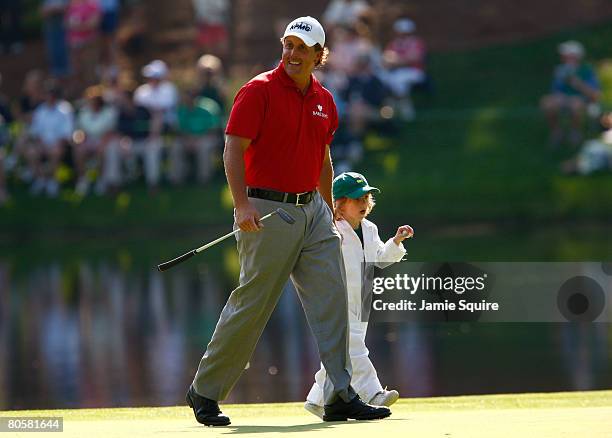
[(288, 131)]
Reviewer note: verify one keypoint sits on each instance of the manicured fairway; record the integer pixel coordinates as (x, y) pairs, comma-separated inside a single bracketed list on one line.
[(575, 414)]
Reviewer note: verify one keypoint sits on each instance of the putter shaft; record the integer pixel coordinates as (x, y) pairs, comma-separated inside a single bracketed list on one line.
[(175, 261), (220, 239)]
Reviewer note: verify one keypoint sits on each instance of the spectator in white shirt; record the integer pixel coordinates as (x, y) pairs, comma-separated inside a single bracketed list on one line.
[(160, 97), (51, 132), (96, 131)]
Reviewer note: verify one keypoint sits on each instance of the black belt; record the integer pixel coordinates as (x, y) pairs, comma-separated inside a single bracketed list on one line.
[(272, 195)]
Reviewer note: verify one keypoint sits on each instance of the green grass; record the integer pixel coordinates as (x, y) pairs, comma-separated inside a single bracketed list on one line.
[(543, 415)]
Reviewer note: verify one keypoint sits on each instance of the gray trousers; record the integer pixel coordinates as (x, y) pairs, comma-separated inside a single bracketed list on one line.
[(309, 252)]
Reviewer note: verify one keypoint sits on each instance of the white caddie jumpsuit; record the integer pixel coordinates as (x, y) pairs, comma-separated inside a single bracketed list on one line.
[(364, 380)]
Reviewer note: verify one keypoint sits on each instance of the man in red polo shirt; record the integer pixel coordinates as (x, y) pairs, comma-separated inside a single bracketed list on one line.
[(277, 155)]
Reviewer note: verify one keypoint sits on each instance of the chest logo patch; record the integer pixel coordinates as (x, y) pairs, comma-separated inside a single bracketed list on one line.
[(320, 112)]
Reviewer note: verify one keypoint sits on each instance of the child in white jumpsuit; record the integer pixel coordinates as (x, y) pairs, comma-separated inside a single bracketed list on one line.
[(360, 243)]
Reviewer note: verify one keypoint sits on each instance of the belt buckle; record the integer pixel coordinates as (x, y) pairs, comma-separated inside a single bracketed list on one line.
[(297, 198)]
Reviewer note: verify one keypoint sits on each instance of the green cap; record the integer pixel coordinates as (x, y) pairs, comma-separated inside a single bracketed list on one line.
[(351, 185)]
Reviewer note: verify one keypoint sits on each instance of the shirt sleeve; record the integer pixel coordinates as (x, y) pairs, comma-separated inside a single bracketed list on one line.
[(248, 112), (387, 253)]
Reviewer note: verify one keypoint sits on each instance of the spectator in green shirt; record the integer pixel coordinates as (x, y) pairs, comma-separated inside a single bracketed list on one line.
[(199, 127)]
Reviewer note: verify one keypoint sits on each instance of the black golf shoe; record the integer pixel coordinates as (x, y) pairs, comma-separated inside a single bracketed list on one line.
[(206, 411), (355, 409)]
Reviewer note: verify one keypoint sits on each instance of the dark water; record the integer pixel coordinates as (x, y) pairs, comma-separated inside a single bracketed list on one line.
[(104, 330)]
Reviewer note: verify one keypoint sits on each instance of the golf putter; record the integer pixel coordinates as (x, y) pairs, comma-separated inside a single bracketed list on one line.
[(170, 263)]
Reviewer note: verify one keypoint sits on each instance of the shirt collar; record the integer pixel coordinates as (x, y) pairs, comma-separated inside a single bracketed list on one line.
[(315, 85)]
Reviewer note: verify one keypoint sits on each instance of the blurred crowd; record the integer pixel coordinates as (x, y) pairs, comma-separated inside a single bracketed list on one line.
[(82, 128), (79, 125), (575, 114), (371, 82), (113, 134)]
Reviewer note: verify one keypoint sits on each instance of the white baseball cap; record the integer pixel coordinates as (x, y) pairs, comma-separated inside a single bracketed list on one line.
[(209, 62), (308, 29), (571, 48), (155, 70)]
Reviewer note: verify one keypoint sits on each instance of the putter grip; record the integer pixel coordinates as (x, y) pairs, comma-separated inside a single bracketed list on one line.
[(180, 259)]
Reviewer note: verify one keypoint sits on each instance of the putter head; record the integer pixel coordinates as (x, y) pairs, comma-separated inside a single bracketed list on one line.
[(285, 216)]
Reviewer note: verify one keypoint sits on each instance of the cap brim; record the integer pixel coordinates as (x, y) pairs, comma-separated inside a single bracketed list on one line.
[(362, 191), (307, 40), (152, 74), (570, 52)]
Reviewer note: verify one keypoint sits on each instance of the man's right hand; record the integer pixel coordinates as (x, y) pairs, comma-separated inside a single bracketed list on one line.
[(247, 218)]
